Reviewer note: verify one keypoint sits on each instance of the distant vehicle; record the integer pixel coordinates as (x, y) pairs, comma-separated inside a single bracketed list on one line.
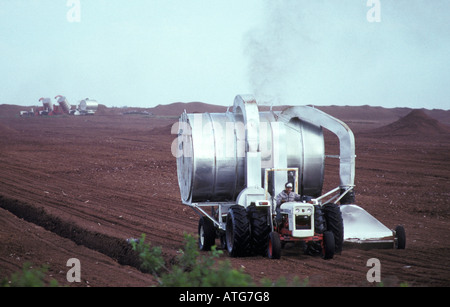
[(88, 106), (85, 107)]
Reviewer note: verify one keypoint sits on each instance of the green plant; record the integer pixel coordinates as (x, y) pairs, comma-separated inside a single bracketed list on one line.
[(28, 277), (151, 258), (191, 269)]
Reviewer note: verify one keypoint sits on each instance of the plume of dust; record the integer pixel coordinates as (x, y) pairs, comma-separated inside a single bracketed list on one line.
[(296, 53), (325, 51), (274, 52)]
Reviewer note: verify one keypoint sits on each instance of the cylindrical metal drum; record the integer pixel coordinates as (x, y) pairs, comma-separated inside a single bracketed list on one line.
[(63, 103), (306, 150), (210, 164), (212, 149), (88, 105), (47, 104)]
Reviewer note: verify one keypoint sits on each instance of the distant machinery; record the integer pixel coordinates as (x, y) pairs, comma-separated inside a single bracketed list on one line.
[(47, 106), (85, 107), (63, 103), (88, 106)]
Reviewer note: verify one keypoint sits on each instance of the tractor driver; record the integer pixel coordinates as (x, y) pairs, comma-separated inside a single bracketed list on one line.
[(285, 196)]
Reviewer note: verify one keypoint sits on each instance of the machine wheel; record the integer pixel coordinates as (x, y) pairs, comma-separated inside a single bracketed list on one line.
[(237, 232), (400, 237), (319, 220), (274, 246), (223, 240), (328, 246), (260, 229), (206, 234), (335, 224)]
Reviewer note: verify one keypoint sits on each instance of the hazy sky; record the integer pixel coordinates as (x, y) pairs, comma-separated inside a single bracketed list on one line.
[(143, 53)]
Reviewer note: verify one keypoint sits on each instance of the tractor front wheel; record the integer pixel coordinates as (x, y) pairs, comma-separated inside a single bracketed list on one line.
[(328, 246), (274, 246)]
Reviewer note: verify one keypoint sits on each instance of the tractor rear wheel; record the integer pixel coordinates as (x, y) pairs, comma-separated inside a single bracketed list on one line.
[(335, 224), (260, 229), (206, 234), (274, 246), (237, 232), (328, 246)]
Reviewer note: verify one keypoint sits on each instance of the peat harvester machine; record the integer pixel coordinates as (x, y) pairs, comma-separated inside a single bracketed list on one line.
[(231, 166)]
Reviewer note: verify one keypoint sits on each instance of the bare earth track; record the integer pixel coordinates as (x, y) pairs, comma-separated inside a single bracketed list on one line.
[(78, 187)]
